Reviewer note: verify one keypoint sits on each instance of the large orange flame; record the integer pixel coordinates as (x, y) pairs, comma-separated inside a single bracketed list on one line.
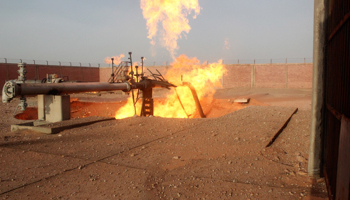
[(205, 78), (173, 15)]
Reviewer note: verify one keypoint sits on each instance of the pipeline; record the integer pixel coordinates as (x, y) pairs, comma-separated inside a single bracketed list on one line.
[(11, 89), (196, 100)]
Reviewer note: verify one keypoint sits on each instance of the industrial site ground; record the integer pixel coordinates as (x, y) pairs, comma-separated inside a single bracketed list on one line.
[(224, 156)]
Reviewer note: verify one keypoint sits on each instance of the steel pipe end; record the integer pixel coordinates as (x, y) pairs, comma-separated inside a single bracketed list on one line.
[(8, 91)]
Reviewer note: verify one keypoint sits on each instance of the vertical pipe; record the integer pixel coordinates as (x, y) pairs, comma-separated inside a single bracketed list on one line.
[(113, 70), (142, 58), (317, 109), (132, 70)]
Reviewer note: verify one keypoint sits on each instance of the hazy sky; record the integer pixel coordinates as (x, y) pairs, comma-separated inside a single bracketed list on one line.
[(88, 31)]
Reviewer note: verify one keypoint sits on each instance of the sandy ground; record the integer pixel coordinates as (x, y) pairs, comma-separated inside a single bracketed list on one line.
[(221, 157)]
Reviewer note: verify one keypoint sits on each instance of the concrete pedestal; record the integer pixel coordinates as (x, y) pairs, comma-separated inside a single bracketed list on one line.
[(53, 108)]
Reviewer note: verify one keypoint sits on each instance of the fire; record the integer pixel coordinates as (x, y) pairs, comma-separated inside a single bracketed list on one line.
[(117, 59), (127, 110), (227, 44), (204, 78), (173, 15)]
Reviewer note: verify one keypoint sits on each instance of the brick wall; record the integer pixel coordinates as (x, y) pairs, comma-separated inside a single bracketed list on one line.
[(300, 76), (8, 71), (249, 75), (238, 75), (270, 76)]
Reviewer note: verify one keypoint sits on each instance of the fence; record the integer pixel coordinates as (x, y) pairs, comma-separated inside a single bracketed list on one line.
[(287, 75), (272, 75), (47, 62), (241, 61), (8, 71)]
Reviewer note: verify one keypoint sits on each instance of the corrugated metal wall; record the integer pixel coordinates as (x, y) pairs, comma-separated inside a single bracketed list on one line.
[(337, 97)]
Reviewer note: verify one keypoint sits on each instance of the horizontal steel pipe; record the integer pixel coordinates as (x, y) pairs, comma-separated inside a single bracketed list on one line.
[(65, 88)]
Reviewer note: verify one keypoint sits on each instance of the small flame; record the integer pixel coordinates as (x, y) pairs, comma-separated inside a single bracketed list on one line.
[(117, 59), (227, 44), (205, 78), (173, 15)]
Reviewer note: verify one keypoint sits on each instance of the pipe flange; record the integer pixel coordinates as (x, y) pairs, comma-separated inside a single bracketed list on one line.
[(8, 91)]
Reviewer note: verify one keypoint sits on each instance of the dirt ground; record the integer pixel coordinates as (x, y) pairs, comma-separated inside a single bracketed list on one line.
[(223, 156)]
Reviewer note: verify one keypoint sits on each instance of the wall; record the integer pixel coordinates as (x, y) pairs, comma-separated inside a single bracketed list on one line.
[(269, 75), (238, 75), (8, 71)]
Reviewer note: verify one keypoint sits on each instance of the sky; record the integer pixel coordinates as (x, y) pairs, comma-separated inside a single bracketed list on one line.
[(89, 31)]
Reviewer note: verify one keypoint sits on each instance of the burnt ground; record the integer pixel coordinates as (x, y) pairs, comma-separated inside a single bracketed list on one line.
[(221, 157)]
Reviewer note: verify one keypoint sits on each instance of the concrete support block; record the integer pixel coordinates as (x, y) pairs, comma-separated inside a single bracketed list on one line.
[(53, 108), (41, 107)]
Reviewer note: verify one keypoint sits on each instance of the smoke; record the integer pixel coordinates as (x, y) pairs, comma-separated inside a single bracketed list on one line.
[(117, 59), (173, 17)]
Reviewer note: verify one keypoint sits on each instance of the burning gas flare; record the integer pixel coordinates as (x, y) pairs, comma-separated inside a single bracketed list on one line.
[(205, 78), (117, 59), (227, 44), (173, 15)]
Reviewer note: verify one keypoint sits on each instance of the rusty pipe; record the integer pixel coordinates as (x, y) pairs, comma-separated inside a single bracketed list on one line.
[(12, 89), (195, 97)]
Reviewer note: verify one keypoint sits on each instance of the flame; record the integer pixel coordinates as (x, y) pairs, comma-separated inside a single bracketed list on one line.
[(173, 15), (227, 44), (117, 59), (205, 78), (128, 109)]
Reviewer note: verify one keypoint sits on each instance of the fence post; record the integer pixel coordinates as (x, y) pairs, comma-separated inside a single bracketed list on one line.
[(34, 62), (59, 62), (238, 61), (89, 65), (70, 63), (80, 64), (47, 62), (20, 60), (5, 60), (270, 61)]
